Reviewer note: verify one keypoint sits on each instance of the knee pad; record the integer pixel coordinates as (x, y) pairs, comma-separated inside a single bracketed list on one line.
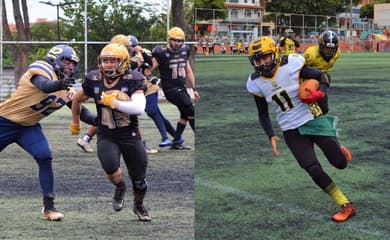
[(187, 111), (315, 171), (140, 186)]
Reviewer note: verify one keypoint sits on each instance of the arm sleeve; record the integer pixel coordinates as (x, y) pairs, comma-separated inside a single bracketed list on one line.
[(87, 116), (134, 107), (264, 119), (46, 85)]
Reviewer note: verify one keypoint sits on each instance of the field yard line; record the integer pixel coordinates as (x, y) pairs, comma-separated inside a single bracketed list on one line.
[(287, 207)]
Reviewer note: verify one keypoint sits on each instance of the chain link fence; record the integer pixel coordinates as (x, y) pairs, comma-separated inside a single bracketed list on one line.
[(243, 25)]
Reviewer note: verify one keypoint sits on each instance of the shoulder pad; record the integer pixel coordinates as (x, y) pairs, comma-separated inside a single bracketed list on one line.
[(157, 49), (93, 75), (255, 75), (133, 75)]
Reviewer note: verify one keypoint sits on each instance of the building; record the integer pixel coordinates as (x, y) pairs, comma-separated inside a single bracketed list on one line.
[(243, 21)]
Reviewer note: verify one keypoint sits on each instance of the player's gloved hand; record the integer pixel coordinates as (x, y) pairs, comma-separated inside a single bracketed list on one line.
[(109, 98), (68, 82), (74, 128), (154, 79), (314, 96)]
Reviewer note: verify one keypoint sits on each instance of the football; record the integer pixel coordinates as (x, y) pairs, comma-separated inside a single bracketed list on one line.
[(121, 96), (312, 84)]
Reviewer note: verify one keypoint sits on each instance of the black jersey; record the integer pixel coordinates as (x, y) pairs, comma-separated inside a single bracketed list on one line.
[(172, 66), (110, 121)]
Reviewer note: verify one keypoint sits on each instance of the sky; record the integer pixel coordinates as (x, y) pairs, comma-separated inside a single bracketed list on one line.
[(41, 10)]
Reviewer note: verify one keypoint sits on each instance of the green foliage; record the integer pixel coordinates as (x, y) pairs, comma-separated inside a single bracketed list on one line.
[(210, 4), (326, 7), (367, 11), (108, 18)]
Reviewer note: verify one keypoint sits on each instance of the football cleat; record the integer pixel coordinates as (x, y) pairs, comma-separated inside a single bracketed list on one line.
[(165, 143), (179, 146), (141, 212), (84, 145), (347, 153), (118, 199), (148, 149), (52, 214), (347, 211), (49, 212)]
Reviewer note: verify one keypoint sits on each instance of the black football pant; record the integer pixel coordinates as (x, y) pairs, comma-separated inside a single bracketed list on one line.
[(302, 147)]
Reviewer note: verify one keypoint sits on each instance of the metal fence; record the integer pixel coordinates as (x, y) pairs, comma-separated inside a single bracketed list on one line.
[(244, 25)]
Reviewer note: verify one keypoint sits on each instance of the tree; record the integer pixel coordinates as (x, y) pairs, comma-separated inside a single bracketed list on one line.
[(106, 19), (325, 7), (20, 52), (178, 13), (367, 11), (208, 5), (308, 7)]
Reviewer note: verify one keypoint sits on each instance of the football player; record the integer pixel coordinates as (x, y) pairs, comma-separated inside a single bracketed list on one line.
[(175, 71), (276, 83), (118, 133), (43, 89), (141, 61), (287, 43), (324, 55)]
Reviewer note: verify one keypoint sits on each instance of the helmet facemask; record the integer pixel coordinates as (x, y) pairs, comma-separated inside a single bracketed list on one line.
[(108, 69), (175, 44), (328, 52), (266, 69)]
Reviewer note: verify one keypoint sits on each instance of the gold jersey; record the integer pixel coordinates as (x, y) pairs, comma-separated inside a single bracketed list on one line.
[(314, 59), (289, 45), (28, 104)]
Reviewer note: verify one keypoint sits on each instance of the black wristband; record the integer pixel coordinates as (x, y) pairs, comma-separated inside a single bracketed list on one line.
[(194, 89)]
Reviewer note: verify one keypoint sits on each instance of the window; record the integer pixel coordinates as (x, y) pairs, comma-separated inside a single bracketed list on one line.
[(234, 13)]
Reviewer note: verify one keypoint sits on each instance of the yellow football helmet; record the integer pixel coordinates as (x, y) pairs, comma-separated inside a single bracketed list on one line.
[(113, 51), (175, 38), (121, 39), (260, 47)]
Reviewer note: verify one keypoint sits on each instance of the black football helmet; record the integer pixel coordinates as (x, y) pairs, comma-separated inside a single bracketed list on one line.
[(329, 43)]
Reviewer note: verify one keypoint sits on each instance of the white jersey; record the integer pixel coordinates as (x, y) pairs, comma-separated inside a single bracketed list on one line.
[(281, 91)]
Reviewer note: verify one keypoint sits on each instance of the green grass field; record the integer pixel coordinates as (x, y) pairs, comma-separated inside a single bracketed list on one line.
[(84, 194), (243, 192)]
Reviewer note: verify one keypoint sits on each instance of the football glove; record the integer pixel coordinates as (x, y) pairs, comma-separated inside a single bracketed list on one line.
[(108, 99), (68, 82), (74, 128), (315, 96)]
